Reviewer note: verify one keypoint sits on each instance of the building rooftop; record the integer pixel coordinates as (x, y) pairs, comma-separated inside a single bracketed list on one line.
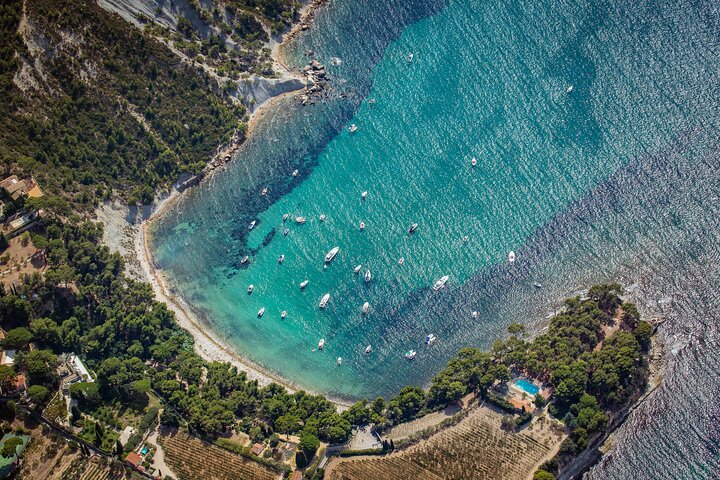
[(77, 365), (133, 459), (8, 357), (258, 448)]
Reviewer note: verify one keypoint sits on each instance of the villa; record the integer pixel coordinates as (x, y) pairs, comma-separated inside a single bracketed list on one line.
[(16, 188), (522, 392)]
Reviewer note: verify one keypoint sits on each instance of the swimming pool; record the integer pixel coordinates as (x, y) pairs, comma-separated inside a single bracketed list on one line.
[(528, 387)]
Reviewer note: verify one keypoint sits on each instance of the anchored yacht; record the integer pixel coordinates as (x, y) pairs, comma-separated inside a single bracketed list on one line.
[(244, 260), (283, 314), (368, 276), (321, 344), (365, 308), (261, 312), (430, 339), (324, 300), (410, 354), (441, 283), (304, 284), (331, 254), (511, 257), (250, 288), (252, 225), (281, 258), (295, 173), (412, 228), (353, 128), (300, 220), (368, 349), (410, 58), (357, 269)]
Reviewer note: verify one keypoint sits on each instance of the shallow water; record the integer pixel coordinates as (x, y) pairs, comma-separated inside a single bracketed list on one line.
[(615, 181)]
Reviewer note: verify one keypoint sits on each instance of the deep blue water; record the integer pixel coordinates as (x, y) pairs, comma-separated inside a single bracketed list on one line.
[(617, 180)]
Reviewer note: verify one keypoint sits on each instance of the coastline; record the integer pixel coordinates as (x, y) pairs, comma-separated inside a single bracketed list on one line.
[(131, 230)]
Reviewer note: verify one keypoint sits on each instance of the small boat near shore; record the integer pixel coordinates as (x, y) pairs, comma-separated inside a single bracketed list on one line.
[(473, 162), (410, 354), (339, 361), (286, 232), (281, 259), (252, 224), (537, 285), (286, 216), (365, 308), (364, 195), (412, 228), (362, 225), (261, 312), (322, 217), (300, 220), (465, 239), (324, 300), (440, 284), (331, 254), (295, 173), (353, 128), (475, 314), (304, 284), (430, 339), (244, 260), (250, 288), (264, 191), (401, 261), (321, 344), (368, 276), (283, 314), (511, 257), (570, 89), (357, 269), (368, 349), (410, 58)]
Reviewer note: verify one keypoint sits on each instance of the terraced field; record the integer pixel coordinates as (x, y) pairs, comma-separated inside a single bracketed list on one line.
[(476, 448), (193, 459)]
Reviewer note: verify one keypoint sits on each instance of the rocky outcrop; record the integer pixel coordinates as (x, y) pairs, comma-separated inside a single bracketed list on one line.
[(255, 91), (316, 82)]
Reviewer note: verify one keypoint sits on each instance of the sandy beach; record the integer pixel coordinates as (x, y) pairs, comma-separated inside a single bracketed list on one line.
[(127, 232)]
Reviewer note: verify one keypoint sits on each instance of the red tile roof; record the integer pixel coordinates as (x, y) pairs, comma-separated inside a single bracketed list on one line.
[(258, 448), (133, 459)]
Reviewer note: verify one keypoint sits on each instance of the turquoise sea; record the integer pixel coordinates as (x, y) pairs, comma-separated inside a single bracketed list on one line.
[(616, 180)]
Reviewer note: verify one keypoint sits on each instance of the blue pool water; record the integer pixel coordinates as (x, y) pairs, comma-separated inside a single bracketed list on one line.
[(527, 386)]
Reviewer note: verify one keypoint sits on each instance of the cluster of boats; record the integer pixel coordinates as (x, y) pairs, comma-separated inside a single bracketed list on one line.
[(430, 340)]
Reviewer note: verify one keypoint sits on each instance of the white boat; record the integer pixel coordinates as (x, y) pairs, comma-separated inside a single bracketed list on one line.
[(368, 276), (537, 285), (300, 220), (321, 344), (353, 128), (264, 191), (473, 162), (283, 314), (401, 261), (570, 89), (441, 282), (511, 257), (368, 349), (430, 339), (261, 312), (362, 225), (322, 217), (281, 258), (331, 254), (365, 307), (466, 238), (286, 216), (252, 225), (295, 173), (324, 300), (244, 260), (357, 269), (475, 314), (339, 360), (286, 231), (250, 288), (363, 195), (304, 284), (410, 58), (410, 354), (412, 228)]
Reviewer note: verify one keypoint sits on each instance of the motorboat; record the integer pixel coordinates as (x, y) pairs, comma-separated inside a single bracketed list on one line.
[(264, 191), (252, 225), (412, 228), (537, 285), (441, 282), (570, 89), (410, 354), (286, 232), (430, 339), (250, 288), (368, 276), (304, 284), (331, 254), (295, 173), (244, 260), (324, 300), (321, 344), (362, 225), (353, 128), (339, 361), (511, 257), (261, 312), (410, 58), (465, 239), (286, 216), (322, 217), (283, 314), (401, 261), (300, 220), (473, 162), (474, 314), (365, 307), (363, 195), (281, 258), (357, 269), (368, 349)]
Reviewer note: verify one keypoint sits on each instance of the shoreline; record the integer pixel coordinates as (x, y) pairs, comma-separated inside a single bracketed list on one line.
[(207, 343)]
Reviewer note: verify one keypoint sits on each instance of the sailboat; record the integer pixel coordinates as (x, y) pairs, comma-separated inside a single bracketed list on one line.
[(368, 276)]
